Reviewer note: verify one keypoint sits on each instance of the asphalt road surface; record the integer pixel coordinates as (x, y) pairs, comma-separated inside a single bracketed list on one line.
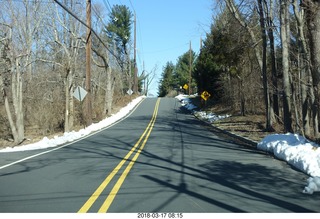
[(159, 159)]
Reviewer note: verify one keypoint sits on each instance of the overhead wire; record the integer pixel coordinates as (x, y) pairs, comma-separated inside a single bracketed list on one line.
[(84, 24), (98, 15), (140, 50), (107, 5), (132, 6)]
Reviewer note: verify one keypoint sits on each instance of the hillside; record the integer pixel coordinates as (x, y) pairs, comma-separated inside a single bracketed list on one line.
[(249, 126)]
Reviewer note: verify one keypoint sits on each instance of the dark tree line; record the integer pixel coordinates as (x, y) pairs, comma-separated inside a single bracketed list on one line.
[(262, 57), (174, 77)]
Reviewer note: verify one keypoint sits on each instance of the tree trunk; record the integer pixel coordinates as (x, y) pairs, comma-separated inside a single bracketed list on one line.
[(264, 68), (110, 80), (261, 60), (274, 75), (284, 26), (305, 71), (109, 92), (313, 23), (242, 98), (129, 71), (69, 111), (16, 122), (12, 66), (7, 108), (17, 98)]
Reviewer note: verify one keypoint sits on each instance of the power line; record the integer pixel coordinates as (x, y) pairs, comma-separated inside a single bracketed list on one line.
[(98, 15), (140, 42), (107, 5), (132, 6), (140, 50), (84, 24), (139, 32)]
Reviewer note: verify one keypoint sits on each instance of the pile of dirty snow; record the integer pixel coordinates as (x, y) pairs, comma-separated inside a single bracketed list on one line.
[(208, 116), (298, 152)]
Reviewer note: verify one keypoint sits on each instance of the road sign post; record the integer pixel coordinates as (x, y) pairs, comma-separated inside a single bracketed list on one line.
[(130, 92), (205, 96), (185, 87), (80, 93)]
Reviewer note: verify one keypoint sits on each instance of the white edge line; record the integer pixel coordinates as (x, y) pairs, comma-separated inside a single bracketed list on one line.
[(67, 144)]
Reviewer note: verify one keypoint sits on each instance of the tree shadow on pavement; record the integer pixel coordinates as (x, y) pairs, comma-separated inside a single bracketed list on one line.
[(248, 181), (245, 180)]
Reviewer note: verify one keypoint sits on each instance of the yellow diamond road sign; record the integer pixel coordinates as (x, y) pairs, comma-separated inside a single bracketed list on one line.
[(205, 95), (185, 86)]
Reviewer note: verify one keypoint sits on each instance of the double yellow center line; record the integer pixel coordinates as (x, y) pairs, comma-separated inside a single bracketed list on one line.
[(142, 141)]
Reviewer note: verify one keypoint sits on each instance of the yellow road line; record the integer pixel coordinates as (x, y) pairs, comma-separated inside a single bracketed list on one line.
[(85, 208), (105, 206)]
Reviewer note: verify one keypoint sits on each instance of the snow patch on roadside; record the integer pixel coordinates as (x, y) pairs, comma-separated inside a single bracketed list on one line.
[(294, 149), (208, 116)]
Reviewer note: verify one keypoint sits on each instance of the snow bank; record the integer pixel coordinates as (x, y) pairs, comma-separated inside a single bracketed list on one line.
[(294, 149), (72, 136), (185, 102), (210, 117), (313, 185), (180, 97)]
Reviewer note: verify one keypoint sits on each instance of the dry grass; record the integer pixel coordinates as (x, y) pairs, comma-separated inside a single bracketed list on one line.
[(35, 133), (251, 126)]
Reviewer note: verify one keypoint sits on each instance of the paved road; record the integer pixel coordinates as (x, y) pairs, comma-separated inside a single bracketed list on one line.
[(159, 159)]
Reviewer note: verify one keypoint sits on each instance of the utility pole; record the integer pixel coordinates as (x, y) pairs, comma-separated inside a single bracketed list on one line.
[(190, 65), (88, 106), (135, 86), (144, 80)]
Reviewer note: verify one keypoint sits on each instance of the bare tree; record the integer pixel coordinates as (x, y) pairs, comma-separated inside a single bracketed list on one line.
[(148, 78), (255, 42), (69, 41), (269, 7), (110, 79), (305, 70), (23, 22), (8, 68), (285, 41), (312, 9)]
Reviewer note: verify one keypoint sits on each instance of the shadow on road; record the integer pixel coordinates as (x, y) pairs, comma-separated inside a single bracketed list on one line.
[(244, 179)]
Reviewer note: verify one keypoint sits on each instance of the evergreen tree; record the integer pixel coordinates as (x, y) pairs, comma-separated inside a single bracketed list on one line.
[(182, 72), (167, 80)]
